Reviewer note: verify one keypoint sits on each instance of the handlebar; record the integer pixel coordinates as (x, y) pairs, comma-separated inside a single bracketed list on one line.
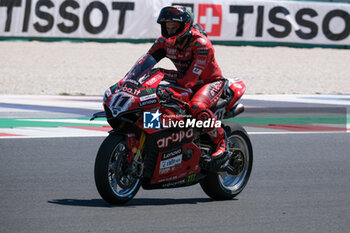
[(179, 102), (167, 96)]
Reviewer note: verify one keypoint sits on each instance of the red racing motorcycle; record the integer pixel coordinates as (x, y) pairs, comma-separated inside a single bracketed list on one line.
[(156, 144)]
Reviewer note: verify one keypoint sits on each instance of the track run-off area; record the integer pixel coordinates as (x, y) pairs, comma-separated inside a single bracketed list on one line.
[(69, 116)]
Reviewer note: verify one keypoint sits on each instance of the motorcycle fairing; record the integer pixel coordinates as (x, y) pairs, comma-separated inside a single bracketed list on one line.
[(137, 92), (169, 161), (178, 166), (238, 87)]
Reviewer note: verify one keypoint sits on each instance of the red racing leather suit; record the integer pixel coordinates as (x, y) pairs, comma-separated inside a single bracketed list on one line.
[(195, 63), (196, 69)]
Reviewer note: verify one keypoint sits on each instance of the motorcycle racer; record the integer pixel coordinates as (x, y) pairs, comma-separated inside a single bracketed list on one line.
[(193, 56)]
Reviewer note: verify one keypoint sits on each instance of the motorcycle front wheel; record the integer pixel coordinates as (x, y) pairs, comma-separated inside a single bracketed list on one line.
[(113, 179), (222, 185)]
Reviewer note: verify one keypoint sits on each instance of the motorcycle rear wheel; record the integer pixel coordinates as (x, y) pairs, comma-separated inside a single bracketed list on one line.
[(112, 180), (223, 186)]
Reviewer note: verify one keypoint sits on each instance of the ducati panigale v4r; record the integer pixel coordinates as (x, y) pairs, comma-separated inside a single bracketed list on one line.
[(155, 144)]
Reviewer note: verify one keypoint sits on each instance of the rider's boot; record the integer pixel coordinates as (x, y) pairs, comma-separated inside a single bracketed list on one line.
[(218, 156)]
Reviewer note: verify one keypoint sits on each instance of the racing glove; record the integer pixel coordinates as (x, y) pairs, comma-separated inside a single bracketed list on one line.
[(164, 94), (172, 76)]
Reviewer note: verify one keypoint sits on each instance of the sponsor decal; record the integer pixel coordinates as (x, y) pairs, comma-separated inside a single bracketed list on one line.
[(175, 138), (164, 171), (237, 85), (202, 41), (216, 88), (171, 51), (292, 22), (151, 120), (175, 183), (147, 97), (170, 162), (64, 17), (132, 81), (168, 179), (197, 44), (201, 60), (148, 102), (131, 90), (210, 18), (152, 81), (197, 71), (170, 169), (315, 21), (171, 154), (191, 179), (202, 52)]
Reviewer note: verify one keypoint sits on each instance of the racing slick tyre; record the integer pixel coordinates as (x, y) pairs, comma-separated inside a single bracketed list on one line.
[(114, 181), (224, 186)]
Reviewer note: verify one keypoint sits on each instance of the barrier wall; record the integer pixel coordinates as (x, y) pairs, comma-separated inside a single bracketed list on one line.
[(226, 21)]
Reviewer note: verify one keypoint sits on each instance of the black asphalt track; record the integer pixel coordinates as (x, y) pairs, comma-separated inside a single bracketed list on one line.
[(299, 183)]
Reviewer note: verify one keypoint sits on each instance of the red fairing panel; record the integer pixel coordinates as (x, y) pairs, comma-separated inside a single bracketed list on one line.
[(238, 87), (154, 81), (173, 165)]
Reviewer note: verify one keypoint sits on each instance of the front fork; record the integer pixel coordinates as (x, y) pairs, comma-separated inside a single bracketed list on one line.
[(135, 150)]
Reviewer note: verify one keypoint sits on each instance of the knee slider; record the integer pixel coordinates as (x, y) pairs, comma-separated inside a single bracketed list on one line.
[(205, 115)]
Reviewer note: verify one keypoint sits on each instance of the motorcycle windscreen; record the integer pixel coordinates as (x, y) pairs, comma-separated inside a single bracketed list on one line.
[(141, 68)]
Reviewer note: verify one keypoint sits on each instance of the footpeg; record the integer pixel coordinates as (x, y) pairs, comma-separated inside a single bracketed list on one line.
[(214, 164)]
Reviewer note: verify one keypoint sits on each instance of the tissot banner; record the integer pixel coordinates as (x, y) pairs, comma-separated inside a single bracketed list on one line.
[(224, 20)]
